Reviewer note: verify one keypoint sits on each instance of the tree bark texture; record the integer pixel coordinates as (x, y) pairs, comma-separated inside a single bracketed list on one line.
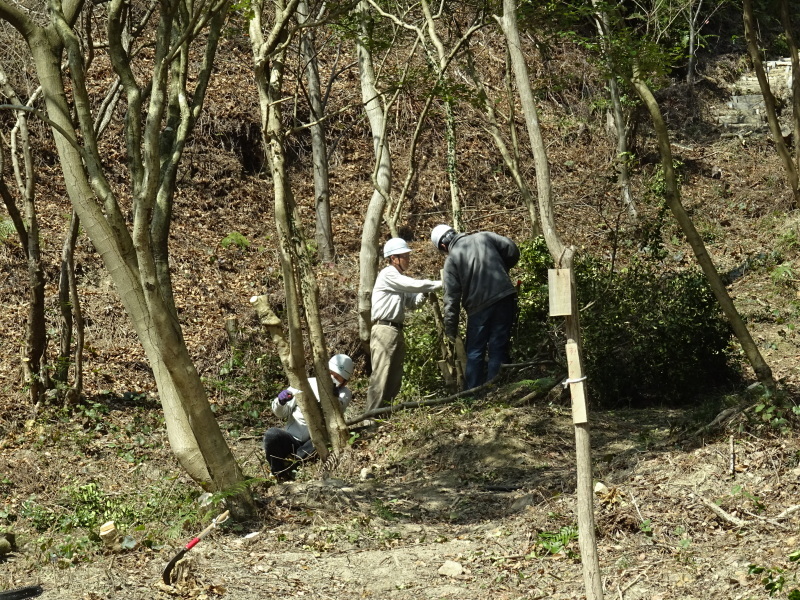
[(762, 370), (750, 29), (368, 254), (72, 326)]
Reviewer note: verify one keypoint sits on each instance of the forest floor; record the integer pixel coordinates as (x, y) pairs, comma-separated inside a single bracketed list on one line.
[(471, 500)]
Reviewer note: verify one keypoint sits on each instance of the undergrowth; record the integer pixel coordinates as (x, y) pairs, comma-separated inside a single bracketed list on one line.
[(650, 334)]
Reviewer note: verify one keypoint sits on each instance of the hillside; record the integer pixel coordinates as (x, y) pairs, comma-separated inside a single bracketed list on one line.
[(487, 484)]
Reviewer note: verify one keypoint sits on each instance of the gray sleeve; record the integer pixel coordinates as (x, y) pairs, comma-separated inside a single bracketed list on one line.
[(452, 299)]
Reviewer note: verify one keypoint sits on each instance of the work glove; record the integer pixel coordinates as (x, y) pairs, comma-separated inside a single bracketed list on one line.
[(284, 397)]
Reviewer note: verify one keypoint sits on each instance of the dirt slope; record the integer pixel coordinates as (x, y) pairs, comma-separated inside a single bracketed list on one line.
[(490, 488)]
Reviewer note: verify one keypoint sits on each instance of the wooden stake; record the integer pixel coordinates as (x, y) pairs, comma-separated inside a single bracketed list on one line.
[(576, 385)]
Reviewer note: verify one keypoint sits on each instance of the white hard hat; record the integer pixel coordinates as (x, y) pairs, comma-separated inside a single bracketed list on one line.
[(438, 233), (395, 246), (342, 365)]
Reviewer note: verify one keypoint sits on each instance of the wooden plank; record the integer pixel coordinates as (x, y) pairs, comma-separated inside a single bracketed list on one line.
[(560, 291), (576, 386)]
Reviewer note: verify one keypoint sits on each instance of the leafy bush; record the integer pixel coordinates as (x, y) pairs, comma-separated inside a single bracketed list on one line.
[(533, 302), (649, 335), (421, 373)]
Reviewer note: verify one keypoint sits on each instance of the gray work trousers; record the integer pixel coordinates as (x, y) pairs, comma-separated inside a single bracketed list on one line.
[(387, 352)]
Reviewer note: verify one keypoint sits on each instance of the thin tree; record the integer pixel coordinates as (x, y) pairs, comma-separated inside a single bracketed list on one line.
[(24, 218), (563, 256), (618, 114), (72, 323), (511, 156), (751, 36), (673, 197), (162, 109), (381, 176), (794, 91), (325, 419), (319, 146), (439, 52)]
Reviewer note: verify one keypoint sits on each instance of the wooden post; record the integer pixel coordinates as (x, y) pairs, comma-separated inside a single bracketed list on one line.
[(562, 297), (576, 381)]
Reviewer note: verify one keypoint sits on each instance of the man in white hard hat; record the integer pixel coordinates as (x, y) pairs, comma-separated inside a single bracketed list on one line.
[(394, 292), (286, 447), (476, 277)]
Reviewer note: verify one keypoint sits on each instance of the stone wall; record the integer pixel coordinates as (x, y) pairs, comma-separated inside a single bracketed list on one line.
[(744, 113)]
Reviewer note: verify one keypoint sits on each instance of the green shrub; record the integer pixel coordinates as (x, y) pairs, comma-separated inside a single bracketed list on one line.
[(649, 335), (421, 373), (7, 230), (234, 238), (533, 303)]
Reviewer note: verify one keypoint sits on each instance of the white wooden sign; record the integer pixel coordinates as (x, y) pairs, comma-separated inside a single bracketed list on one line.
[(559, 283)]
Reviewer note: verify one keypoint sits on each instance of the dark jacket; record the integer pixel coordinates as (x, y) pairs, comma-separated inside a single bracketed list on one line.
[(476, 274)]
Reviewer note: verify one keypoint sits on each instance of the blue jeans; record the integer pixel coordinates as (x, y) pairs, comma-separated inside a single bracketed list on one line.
[(489, 332)]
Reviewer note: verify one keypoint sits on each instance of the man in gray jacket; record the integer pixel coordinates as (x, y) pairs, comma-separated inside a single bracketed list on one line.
[(476, 277)]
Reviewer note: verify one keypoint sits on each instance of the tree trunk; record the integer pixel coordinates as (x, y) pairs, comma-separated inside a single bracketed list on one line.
[(191, 427), (452, 171), (71, 317), (368, 255), (621, 159), (34, 371), (76, 389), (750, 35), (319, 146), (563, 258), (325, 419), (762, 370), (794, 92), (691, 23)]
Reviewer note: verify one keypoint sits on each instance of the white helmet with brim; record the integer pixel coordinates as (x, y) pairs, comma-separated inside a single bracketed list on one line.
[(395, 246)]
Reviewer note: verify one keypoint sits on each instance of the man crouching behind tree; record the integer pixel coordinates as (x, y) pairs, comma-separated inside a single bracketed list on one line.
[(286, 448)]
